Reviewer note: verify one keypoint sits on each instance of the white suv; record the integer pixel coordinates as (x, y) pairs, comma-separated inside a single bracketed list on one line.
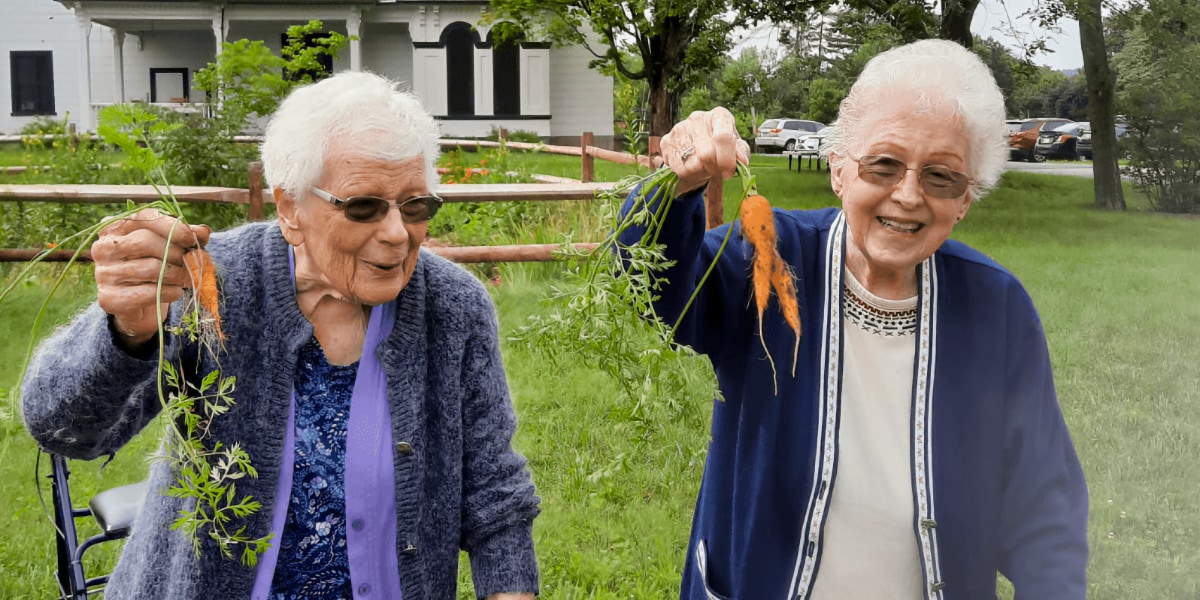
[(784, 134)]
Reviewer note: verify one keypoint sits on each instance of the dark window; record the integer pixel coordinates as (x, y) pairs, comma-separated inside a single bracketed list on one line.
[(460, 69), (170, 85), (506, 73), (324, 60), (792, 125), (32, 82)]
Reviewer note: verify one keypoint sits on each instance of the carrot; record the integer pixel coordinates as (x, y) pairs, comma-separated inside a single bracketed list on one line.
[(785, 289), (204, 281), (769, 271)]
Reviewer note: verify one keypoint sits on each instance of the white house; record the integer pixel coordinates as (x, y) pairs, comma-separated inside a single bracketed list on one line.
[(68, 57)]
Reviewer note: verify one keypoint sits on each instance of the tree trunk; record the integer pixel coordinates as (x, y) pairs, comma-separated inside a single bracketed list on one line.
[(667, 60), (956, 21), (664, 108), (1102, 106)]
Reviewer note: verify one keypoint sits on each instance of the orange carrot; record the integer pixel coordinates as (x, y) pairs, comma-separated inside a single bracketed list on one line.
[(785, 290), (769, 271), (204, 281)]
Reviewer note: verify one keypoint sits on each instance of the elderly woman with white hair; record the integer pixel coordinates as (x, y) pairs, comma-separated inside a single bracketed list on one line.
[(370, 394), (919, 449)]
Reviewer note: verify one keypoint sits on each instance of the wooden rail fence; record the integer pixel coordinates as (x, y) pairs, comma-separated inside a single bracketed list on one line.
[(256, 196)]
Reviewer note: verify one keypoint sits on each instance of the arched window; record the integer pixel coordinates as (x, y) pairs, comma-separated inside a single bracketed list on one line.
[(459, 40), (506, 69)]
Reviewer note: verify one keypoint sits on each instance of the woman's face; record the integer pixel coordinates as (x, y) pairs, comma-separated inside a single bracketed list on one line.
[(895, 227), (367, 263)]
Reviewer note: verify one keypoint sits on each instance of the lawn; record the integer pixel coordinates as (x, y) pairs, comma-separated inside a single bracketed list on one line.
[(1116, 293)]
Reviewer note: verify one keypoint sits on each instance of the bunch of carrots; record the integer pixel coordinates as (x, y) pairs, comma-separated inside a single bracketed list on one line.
[(203, 272), (769, 272)]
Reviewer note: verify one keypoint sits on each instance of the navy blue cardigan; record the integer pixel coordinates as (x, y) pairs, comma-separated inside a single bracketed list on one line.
[(997, 486)]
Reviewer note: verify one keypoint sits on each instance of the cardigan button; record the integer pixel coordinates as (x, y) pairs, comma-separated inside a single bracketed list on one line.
[(357, 524), (404, 448), (937, 586), (410, 549), (928, 523)]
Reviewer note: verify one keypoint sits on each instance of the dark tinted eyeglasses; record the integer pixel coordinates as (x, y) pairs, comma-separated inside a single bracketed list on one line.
[(369, 209), (936, 180)]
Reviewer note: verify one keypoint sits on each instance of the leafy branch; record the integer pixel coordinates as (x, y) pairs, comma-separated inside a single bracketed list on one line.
[(604, 315), (207, 470)]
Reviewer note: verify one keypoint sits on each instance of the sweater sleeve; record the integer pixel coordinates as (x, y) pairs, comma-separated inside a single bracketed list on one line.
[(719, 318), (1045, 505), (499, 504), (84, 397)]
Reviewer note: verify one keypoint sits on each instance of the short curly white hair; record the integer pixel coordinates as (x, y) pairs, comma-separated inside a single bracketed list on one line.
[(351, 111), (931, 72)]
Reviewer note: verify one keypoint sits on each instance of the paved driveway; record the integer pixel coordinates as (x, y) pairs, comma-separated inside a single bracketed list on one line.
[(1079, 169)]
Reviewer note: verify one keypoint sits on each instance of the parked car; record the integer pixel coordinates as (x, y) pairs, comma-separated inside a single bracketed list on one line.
[(1021, 143), (784, 134), (1084, 145), (813, 141), (1059, 142), (1013, 125)]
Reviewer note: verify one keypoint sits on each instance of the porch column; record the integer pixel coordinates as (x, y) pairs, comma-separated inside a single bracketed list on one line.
[(84, 23), (353, 29), (218, 27), (119, 65)]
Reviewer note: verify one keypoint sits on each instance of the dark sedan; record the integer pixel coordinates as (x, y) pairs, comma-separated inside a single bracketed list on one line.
[(1060, 142), (1084, 146)]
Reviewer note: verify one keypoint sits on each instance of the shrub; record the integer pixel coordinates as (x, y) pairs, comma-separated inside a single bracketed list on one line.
[(516, 135)]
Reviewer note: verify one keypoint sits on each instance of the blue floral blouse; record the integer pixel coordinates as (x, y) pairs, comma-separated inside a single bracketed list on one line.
[(313, 563)]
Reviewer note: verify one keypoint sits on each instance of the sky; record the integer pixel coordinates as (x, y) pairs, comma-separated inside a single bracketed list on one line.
[(994, 19)]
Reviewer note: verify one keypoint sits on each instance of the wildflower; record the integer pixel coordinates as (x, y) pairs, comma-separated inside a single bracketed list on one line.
[(51, 245)]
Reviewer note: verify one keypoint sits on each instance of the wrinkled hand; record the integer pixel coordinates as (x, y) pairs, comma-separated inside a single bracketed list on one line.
[(704, 146), (129, 255), (511, 596)]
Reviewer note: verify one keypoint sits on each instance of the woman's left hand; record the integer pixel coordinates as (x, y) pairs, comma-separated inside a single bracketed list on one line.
[(704, 146), (511, 596)]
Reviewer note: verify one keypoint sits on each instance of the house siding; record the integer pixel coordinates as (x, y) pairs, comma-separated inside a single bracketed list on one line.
[(44, 26), (555, 82), (581, 98)]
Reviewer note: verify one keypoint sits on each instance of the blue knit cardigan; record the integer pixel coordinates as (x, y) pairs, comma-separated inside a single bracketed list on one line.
[(997, 486), (459, 483)]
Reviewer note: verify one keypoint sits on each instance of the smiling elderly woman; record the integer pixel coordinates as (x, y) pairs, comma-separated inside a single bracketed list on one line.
[(920, 448), (371, 396)]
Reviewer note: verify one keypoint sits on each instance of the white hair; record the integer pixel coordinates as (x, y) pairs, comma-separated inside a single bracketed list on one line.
[(357, 112), (931, 72)]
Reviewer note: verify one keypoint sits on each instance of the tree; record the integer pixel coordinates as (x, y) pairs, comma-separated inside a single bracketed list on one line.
[(677, 42), (1102, 106), (242, 86), (1159, 64)]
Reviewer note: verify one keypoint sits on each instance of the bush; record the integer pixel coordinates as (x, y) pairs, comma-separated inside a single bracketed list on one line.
[(1159, 63), (516, 135), (46, 126)]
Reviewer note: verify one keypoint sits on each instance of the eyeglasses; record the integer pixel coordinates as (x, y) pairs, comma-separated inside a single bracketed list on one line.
[(936, 180), (369, 209)]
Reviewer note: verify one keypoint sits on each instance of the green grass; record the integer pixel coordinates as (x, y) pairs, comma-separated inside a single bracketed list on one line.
[(1116, 292)]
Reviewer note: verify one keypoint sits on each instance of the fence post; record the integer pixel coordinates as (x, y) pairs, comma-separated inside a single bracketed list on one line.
[(73, 135), (503, 135), (256, 191), (714, 205), (589, 162)]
